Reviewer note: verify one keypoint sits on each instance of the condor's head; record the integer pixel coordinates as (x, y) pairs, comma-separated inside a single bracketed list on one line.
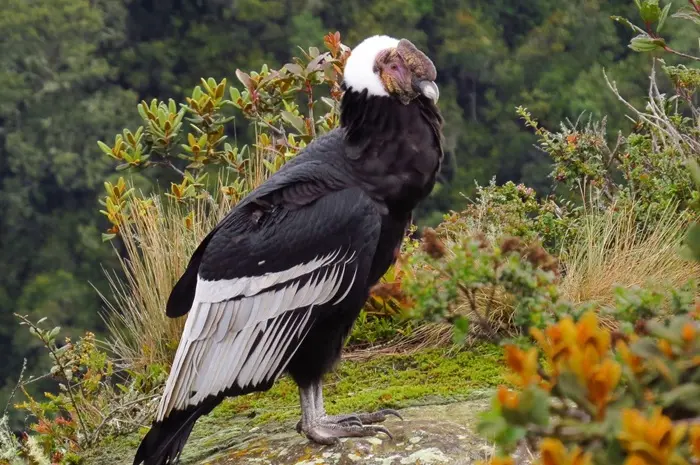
[(387, 67)]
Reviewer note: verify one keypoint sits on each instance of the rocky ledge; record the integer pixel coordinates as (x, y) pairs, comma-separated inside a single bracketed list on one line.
[(429, 434)]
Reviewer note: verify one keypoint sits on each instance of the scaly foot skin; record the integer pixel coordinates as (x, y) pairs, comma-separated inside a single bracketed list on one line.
[(367, 418), (328, 429), (327, 432)]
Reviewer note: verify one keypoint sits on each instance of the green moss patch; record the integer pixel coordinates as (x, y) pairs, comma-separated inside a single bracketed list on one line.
[(396, 381)]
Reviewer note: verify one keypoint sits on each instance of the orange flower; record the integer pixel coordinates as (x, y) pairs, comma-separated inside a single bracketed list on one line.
[(507, 398), (688, 332), (590, 335), (553, 452), (601, 383), (565, 340), (694, 438), (633, 361), (666, 348), (652, 440), (523, 364), (582, 348)]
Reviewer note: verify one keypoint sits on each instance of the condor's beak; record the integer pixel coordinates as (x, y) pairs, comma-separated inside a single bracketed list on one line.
[(430, 90)]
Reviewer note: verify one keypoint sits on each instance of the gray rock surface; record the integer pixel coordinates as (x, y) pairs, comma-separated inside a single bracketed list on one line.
[(429, 435)]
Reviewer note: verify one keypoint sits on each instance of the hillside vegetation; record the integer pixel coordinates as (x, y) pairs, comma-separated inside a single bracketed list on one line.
[(61, 90), (573, 258)]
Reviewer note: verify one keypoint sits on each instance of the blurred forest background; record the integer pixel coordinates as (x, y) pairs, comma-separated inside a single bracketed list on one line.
[(73, 71)]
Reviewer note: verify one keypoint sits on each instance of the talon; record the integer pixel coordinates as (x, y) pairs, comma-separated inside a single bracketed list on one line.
[(328, 430), (381, 429), (378, 416), (391, 411)]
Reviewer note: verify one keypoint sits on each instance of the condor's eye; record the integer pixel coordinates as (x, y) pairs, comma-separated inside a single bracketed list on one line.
[(394, 67)]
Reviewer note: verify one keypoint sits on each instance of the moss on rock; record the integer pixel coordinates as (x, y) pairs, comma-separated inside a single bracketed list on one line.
[(430, 377)]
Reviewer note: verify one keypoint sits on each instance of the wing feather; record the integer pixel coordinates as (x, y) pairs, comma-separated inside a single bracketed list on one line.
[(244, 332)]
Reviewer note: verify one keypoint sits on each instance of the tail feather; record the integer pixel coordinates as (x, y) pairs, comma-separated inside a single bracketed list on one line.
[(163, 444)]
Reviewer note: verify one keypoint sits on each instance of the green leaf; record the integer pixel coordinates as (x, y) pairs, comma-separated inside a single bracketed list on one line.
[(644, 43), (105, 148), (662, 18), (108, 237), (296, 121), (54, 332), (688, 14), (295, 69), (245, 79), (692, 242), (460, 330), (650, 11), (685, 396), (235, 94), (571, 388), (694, 169), (142, 111), (536, 401)]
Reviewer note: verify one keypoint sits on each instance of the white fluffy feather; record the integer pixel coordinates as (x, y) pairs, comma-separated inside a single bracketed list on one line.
[(359, 69)]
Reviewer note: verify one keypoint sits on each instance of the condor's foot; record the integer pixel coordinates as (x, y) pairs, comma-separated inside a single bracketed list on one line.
[(328, 430), (358, 419)]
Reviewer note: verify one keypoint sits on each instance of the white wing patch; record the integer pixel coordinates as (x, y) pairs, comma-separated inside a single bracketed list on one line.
[(218, 346)]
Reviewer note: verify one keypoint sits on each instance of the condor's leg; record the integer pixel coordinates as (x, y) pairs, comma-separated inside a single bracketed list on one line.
[(325, 429)]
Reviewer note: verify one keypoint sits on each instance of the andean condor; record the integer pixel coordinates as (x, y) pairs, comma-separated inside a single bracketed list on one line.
[(277, 285)]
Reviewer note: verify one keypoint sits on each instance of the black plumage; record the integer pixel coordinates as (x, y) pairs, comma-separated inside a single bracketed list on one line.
[(312, 240)]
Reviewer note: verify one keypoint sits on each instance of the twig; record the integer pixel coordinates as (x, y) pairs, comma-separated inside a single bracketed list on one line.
[(47, 344), (14, 390), (175, 168), (310, 104), (483, 322), (278, 131), (681, 54), (114, 411)]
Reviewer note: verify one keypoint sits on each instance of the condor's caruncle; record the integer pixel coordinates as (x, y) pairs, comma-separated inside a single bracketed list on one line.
[(277, 285)]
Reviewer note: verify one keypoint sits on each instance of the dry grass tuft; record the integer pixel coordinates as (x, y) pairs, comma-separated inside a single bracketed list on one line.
[(425, 336), (158, 246), (619, 249)]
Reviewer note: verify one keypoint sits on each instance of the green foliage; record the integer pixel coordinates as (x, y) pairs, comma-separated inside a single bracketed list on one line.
[(57, 95), (61, 91), (91, 402), (268, 100), (614, 384), (479, 273)]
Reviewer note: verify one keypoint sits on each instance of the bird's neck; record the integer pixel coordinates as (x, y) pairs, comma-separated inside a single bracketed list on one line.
[(395, 149)]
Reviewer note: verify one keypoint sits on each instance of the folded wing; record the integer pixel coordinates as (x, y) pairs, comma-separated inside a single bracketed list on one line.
[(246, 322)]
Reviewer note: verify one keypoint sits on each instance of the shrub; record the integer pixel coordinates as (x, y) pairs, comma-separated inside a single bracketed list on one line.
[(92, 401), (611, 375)]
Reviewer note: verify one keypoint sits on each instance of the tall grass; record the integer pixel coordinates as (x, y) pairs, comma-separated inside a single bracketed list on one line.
[(620, 249), (613, 248), (158, 246)]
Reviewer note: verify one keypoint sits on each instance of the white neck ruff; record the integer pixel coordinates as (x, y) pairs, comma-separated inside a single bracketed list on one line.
[(359, 70)]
